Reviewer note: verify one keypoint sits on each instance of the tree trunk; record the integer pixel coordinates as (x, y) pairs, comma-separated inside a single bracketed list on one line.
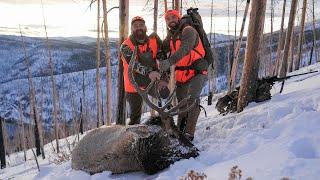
[(54, 90), (251, 63), (81, 118), (155, 16), (165, 5), (177, 5), (108, 65), (23, 141), (123, 33), (300, 43), (83, 104), (316, 55), (237, 50), (271, 38), (33, 110), (155, 28), (2, 149), (280, 41), (284, 62), (291, 54), (98, 78)]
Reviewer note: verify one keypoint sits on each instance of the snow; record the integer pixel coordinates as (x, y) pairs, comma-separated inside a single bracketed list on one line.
[(269, 140)]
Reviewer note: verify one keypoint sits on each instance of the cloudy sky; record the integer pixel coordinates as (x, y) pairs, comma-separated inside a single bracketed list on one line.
[(74, 17)]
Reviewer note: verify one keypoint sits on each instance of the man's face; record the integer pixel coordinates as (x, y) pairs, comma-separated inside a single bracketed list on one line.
[(172, 21), (139, 28)]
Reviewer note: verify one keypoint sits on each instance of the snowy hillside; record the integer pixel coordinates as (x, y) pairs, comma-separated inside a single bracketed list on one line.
[(270, 140)]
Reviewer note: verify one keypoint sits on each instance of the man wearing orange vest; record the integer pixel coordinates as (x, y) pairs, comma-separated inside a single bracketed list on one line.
[(186, 52), (145, 66)]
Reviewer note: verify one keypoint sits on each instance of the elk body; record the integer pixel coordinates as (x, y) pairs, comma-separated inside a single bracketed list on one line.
[(120, 149), (148, 147)]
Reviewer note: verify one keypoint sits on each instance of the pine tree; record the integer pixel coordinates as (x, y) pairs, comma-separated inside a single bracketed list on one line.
[(251, 64), (123, 33)]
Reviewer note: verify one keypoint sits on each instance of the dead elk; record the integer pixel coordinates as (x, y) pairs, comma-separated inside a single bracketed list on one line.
[(148, 147)]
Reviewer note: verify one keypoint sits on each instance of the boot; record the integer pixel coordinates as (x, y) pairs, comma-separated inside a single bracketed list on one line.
[(192, 119)]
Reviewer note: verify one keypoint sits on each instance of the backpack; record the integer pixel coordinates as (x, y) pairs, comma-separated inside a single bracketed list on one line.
[(193, 18)]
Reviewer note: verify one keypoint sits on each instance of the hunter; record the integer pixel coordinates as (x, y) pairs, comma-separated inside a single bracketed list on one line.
[(187, 53), (146, 69)]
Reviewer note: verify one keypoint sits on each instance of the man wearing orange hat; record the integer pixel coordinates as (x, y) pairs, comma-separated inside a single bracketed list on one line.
[(186, 52), (148, 47)]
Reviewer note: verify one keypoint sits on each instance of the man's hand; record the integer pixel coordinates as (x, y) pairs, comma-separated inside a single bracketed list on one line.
[(154, 75), (164, 65)]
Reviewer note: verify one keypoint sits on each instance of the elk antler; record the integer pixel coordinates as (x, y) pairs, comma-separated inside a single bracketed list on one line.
[(144, 94)]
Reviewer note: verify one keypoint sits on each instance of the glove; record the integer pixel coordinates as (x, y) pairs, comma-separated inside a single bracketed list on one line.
[(164, 65), (154, 75)]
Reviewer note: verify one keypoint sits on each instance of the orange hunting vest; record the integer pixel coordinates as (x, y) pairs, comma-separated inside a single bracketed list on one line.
[(150, 45), (195, 54)]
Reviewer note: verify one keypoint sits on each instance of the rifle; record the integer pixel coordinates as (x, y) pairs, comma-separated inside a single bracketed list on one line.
[(276, 79), (228, 103)]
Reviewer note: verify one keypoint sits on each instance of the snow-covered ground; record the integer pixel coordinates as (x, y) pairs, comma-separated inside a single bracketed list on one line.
[(270, 140)]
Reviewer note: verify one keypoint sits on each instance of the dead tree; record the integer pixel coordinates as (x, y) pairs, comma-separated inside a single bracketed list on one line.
[(108, 65), (33, 110), (98, 63), (165, 5), (280, 40), (123, 33), (155, 28), (237, 50), (177, 5), (23, 136), (284, 62), (251, 64), (2, 148), (316, 55), (53, 83), (297, 62)]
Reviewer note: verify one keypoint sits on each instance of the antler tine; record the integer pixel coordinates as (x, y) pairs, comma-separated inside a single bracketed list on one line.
[(143, 93), (185, 110), (170, 99)]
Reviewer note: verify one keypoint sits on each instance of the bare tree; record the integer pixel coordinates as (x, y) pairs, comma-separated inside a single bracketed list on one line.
[(2, 148), (251, 64), (22, 137), (53, 83), (33, 110), (108, 66), (165, 5), (284, 62), (123, 33), (314, 34), (98, 78), (237, 50), (300, 43), (280, 40)]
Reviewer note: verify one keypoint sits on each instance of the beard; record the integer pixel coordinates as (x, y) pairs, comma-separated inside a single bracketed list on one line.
[(173, 25), (140, 34)]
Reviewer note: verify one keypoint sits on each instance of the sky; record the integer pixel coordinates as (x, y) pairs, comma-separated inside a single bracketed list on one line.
[(68, 18)]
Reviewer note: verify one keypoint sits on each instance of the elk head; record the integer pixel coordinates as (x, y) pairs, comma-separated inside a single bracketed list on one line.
[(166, 112)]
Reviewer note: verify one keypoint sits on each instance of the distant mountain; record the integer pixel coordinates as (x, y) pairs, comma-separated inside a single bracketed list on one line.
[(74, 62)]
